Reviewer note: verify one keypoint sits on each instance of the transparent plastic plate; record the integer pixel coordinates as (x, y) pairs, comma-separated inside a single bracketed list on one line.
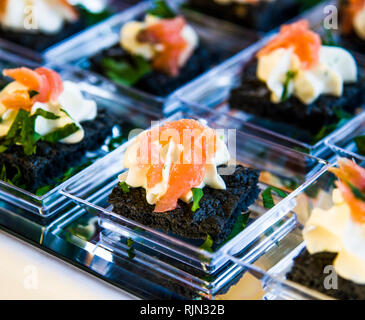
[(272, 267), (343, 144), (78, 50), (212, 90), (280, 167), (107, 8), (138, 116)]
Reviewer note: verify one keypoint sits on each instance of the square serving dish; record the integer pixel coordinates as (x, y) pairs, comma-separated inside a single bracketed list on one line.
[(280, 167), (212, 91), (79, 50), (127, 115), (344, 143), (91, 13), (278, 260)]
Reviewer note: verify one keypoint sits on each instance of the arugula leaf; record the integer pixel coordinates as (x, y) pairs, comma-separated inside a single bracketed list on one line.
[(342, 116), (43, 190), (124, 186), (67, 175), (28, 135), (61, 133), (267, 196), (239, 225), (289, 77), (45, 114), (360, 144), (3, 174), (197, 195), (22, 131), (124, 72), (15, 181), (328, 38), (115, 142), (92, 18), (208, 243), (162, 10)]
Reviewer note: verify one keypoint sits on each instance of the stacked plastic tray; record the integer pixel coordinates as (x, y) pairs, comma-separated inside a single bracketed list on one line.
[(76, 222)]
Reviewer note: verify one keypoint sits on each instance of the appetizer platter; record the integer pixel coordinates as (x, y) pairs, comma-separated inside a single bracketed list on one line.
[(151, 50), (53, 126), (303, 113), (173, 147), (327, 235), (39, 24), (191, 239)]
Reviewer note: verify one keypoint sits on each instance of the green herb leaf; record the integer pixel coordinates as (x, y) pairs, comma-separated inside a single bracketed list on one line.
[(92, 18), (61, 133), (197, 195), (45, 114), (162, 10), (124, 186), (124, 72), (342, 114), (43, 190), (267, 196), (360, 144), (3, 173), (67, 175), (328, 39), (129, 242), (343, 118), (28, 136), (239, 225), (16, 180), (208, 243), (130, 251), (289, 77), (115, 142)]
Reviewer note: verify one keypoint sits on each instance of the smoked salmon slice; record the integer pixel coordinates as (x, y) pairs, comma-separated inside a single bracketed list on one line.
[(352, 176), (167, 32), (198, 144), (47, 83), (18, 100), (305, 43), (54, 81), (349, 171), (25, 76)]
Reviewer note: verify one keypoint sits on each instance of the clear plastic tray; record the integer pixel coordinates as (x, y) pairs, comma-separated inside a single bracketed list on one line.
[(278, 260), (343, 144), (211, 91), (52, 202), (281, 167), (77, 50), (113, 7)]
